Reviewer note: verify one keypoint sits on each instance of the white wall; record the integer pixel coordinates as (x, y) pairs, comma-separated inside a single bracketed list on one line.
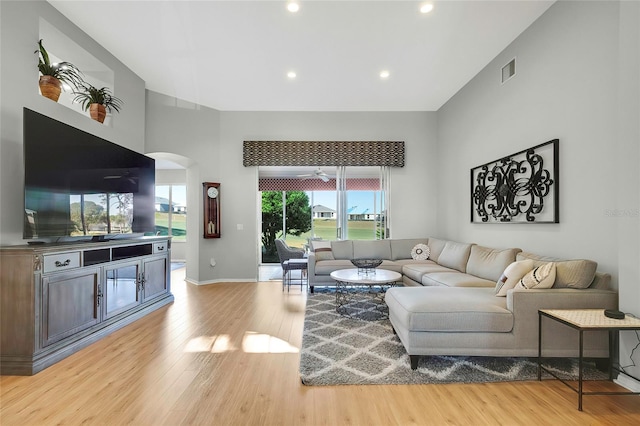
[(577, 80), (19, 35)]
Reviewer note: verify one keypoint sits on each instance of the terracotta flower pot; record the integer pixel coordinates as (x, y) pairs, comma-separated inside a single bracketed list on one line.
[(98, 112), (50, 87)]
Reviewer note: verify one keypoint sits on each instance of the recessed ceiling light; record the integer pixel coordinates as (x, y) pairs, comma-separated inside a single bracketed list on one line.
[(293, 7), (291, 75), (384, 74), (426, 8)]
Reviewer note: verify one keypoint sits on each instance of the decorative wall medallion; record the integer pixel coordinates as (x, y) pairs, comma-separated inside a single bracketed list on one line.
[(520, 188)]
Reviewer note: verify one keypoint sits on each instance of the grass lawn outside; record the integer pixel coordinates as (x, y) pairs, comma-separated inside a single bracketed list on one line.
[(178, 225), (326, 229)]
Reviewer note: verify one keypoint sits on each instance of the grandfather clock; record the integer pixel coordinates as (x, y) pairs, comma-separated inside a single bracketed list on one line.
[(211, 205)]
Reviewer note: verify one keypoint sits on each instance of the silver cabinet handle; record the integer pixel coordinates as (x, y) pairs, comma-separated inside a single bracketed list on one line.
[(62, 264)]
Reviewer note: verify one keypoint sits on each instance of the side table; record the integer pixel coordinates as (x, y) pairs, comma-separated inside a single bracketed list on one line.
[(587, 320)]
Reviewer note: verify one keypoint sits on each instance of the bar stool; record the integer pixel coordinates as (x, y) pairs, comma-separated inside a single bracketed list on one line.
[(291, 259), (295, 265)]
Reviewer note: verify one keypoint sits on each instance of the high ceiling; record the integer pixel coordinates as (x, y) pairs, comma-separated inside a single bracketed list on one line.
[(235, 55)]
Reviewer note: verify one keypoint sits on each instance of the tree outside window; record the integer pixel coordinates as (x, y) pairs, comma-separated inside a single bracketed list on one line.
[(278, 222)]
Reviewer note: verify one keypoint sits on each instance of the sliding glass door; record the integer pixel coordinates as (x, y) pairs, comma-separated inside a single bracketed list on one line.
[(327, 203), (362, 202)]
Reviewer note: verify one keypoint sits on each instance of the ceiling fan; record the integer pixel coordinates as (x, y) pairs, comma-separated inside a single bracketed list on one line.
[(318, 173)]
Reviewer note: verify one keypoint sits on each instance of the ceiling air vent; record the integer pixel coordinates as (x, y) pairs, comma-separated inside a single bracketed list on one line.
[(509, 70)]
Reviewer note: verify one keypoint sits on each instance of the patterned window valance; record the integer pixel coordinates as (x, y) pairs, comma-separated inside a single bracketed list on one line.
[(300, 153), (280, 184)]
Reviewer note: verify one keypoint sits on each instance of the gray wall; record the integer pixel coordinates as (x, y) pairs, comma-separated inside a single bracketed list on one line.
[(191, 131), (213, 140), (577, 80), (19, 34), (627, 179), (411, 193), (566, 88)]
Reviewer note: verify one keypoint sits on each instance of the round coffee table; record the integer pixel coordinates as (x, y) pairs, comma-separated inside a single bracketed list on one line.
[(361, 295)]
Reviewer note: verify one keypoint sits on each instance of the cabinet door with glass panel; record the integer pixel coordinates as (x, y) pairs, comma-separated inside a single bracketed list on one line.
[(155, 277), (121, 287)]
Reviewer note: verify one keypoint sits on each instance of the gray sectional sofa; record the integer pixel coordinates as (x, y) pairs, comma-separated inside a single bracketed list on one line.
[(448, 303)]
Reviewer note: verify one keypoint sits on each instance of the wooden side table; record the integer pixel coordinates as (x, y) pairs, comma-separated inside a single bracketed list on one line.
[(587, 320)]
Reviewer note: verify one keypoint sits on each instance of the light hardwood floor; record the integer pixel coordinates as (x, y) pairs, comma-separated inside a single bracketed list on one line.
[(227, 354)]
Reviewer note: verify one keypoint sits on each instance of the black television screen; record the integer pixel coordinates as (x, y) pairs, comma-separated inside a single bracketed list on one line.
[(79, 185)]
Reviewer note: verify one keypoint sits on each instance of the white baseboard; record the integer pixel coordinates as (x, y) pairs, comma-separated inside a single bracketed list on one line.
[(627, 382), (220, 281)]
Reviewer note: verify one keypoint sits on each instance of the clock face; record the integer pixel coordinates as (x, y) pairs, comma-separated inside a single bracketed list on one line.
[(212, 192)]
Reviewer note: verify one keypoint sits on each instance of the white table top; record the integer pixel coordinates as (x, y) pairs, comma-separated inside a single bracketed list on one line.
[(351, 276), (592, 318)]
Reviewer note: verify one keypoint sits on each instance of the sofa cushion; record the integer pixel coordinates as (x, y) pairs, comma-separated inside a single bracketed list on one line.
[(415, 271), (371, 249), (489, 263), (540, 277), (455, 256), (511, 275), (342, 249), (449, 309), (575, 273), (435, 247), (390, 265), (322, 249), (326, 267), (455, 279), (401, 248), (414, 262)]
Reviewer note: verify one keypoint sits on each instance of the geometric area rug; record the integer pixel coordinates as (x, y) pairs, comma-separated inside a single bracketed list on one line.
[(338, 350)]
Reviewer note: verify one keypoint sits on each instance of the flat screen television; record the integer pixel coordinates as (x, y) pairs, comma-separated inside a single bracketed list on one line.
[(79, 186)]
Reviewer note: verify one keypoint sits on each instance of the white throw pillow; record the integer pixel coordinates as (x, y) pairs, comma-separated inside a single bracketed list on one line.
[(420, 252), (511, 275), (541, 277), (322, 249)]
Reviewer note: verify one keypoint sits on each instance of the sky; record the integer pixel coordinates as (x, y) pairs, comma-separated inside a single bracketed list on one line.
[(358, 201), (178, 195)]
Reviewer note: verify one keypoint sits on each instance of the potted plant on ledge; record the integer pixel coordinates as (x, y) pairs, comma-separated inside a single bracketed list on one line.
[(97, 101), (53, 75)]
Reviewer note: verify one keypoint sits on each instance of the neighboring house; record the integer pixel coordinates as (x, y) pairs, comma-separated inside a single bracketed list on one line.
[(163, 206), (323, 212), (365, 215)]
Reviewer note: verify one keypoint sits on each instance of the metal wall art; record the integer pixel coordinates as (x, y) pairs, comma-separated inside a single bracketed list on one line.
[(520, 188)]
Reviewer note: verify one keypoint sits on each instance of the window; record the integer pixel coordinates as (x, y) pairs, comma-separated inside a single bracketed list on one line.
[(171, 211)]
